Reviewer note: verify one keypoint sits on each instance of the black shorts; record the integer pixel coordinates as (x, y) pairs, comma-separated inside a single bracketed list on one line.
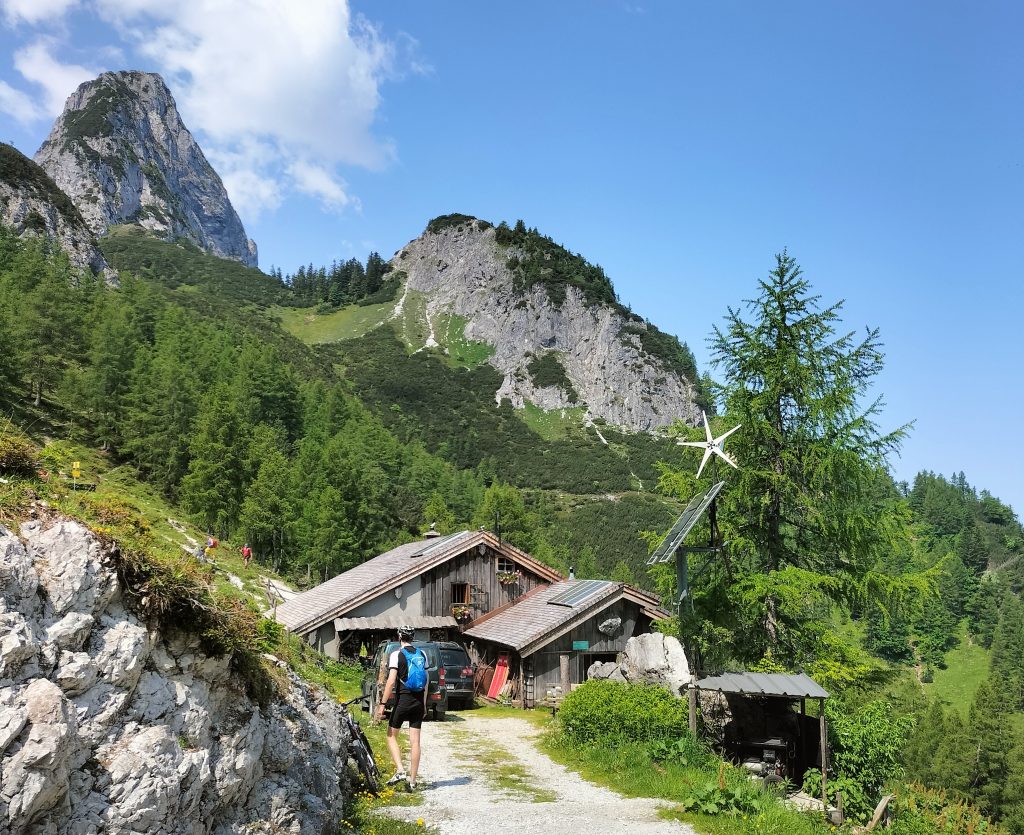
[(409, 709)]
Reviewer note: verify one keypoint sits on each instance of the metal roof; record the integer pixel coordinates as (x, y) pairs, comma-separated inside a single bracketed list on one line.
[(311, 609), (394, 621), (798, 686), (531, 622)]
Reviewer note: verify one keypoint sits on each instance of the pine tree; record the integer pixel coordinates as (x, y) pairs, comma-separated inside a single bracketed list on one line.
[(1008, 649), (987, 754), (212, 488)]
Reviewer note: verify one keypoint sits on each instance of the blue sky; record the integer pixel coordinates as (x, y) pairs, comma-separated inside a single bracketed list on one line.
[(679, 145)]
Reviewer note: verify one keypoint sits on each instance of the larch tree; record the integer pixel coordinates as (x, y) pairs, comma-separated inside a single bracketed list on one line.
[(804, 515)]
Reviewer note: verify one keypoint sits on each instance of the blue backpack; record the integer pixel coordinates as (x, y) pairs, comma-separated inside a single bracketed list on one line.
[(416, 661)]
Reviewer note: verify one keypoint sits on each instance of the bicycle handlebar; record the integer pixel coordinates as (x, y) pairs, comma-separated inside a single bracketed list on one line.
[(355, 700)]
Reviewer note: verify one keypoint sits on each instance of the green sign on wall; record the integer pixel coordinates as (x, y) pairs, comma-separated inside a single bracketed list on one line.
[(576, 645)]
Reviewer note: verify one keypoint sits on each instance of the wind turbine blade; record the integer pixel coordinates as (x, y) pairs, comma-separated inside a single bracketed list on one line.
[(707, 428), (726, 458), (701, 444), (703, 461), (727, 434)]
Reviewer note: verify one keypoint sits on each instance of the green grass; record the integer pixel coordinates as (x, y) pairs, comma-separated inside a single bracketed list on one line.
[(349, 322), (450, 333), (630, 771), (554, 424), (967, 666)]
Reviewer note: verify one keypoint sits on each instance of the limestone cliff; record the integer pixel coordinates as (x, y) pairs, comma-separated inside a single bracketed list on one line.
[(463, 269), (109, 726), (123, 155), (31, 204)]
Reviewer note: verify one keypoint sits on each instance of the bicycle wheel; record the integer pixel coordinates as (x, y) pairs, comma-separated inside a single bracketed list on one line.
[(367, 767)]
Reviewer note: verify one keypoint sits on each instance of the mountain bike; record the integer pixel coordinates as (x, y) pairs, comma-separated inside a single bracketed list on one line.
[(360, 750)]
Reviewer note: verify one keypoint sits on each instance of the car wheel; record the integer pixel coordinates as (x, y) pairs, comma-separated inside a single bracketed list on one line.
[(438, 714)]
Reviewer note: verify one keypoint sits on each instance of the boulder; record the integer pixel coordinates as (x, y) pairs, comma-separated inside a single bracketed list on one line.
[(652, 658)]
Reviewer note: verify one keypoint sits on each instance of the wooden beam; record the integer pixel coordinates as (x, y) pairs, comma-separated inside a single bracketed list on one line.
[(563, 670), (692, 697), (824, 752)]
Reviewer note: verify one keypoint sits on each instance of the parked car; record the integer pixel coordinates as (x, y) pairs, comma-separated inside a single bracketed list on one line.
[(459, 674), (374, 681)]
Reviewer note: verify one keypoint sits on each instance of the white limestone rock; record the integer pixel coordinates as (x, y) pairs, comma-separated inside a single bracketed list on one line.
[(18, 578), (71, 631), (109, 727), (72, 573), (123, 155), (34, 777), (462, 270), (651, 658), (33, 206)]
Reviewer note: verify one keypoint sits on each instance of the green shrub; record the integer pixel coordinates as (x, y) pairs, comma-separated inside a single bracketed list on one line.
[(687, 751), (602, 712), (17, 455)]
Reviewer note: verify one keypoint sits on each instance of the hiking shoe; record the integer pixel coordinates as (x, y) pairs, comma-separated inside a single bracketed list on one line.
[(397, 777), (412, 785)]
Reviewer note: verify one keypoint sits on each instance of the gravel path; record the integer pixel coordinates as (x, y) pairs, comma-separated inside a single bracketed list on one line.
[(460, 796)]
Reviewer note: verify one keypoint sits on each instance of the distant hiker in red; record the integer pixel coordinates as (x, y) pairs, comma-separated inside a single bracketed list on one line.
[(246, 554)]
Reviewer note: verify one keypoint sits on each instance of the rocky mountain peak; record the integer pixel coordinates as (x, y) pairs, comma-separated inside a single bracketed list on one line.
[(558, 333), (31, 204), (121, 152)]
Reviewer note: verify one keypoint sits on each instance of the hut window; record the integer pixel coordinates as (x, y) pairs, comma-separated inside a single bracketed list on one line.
[(460, 592), (506, 566)]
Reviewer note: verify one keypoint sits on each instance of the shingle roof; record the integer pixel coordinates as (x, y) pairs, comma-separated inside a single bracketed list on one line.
[(394, 621), (533, 620), (332, 599), (797, 686)]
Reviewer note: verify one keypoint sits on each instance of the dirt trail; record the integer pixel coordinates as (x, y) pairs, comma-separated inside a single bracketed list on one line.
[(470, 788)]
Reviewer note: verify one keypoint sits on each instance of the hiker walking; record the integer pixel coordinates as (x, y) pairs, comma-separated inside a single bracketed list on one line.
[(246, 555), (407, 671)]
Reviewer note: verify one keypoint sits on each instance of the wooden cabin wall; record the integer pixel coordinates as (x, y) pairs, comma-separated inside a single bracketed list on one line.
[(545, 661), (479, 571)]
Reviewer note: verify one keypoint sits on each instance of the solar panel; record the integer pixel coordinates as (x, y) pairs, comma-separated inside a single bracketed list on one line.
[(581, 591), (684, 524)]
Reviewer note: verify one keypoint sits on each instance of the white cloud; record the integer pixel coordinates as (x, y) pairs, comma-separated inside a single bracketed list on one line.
[(36, 64), (282, 94), (18, 105), (318, 182), (34, 11)]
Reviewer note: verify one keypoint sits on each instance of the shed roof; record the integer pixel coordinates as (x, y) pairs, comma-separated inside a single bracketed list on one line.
[(311, 609), (537, 618), (394, 621), (798, 686)]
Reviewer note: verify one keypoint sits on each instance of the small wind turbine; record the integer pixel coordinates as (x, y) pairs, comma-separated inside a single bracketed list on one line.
[(712, 446)]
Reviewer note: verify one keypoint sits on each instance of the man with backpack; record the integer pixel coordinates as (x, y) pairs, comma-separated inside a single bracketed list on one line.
[(407, 671)]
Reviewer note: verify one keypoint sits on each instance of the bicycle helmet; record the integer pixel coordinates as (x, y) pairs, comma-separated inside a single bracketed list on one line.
[(406, 632)]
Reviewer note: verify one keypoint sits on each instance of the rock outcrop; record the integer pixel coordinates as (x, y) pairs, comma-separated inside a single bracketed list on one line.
[(121, 152), (652, 658), (32, 204), (108, 726), (462, 270)]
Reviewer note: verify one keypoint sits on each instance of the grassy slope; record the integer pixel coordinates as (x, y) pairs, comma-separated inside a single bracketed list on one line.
[(966, 667), (346, 323)]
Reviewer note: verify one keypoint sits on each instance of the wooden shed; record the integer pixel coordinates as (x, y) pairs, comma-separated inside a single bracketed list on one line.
[(551, 635)]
